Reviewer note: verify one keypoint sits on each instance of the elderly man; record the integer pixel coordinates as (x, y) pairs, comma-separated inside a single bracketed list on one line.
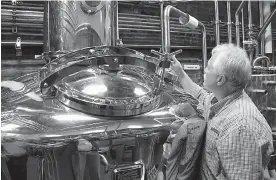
[(238, 140)]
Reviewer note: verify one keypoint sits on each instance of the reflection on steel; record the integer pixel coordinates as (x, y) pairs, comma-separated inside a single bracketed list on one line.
[(217, 22), (229, 22), (238, 22), (86, 83), (73, 25), (70, 86), (267, 22)]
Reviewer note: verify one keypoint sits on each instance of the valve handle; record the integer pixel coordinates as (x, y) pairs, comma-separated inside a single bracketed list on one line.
[(171, 54), (156, 53), (176, 52)]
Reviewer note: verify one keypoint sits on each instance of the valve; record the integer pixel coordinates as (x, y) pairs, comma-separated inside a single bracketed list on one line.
[(164, 64)]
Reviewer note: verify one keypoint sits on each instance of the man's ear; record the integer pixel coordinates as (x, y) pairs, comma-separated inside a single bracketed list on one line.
[(221, 80)]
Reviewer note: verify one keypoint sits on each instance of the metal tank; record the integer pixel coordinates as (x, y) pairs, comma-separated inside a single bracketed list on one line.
[(98, 112)]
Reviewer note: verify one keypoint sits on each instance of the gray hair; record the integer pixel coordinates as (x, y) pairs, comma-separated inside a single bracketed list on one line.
[(233, 62)]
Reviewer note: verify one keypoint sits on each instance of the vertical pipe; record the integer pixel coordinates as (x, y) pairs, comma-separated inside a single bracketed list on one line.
[(268, 34), (261, 14), (243, 36), (204, 44), (217, 22), (117, 22), (250, 26), (250, 31), (237, 23), (162, 26), (114, 23), (46, 41), (108, 22), (229, 23), (167, 28)]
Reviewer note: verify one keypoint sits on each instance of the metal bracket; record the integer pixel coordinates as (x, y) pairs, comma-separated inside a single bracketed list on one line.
[(18, 47)]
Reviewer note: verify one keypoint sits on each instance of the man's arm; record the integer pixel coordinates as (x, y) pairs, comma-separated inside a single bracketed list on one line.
[(240, 155), (191, 87)]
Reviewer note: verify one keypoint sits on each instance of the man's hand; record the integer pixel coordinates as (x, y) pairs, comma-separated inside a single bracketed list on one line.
[(177, 67), (183, 78)]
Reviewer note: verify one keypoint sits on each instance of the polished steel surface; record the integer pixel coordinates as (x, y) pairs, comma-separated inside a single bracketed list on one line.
[(46, 120), (74, 24), (28, 120), (115, 82)]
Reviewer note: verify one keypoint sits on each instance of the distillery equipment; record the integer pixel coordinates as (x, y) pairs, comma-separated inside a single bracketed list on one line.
[(99, 107), (92, 94)]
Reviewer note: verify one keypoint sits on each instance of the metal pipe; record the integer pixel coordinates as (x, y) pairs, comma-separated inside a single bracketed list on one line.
[(267, 34), (217, 22), (261, 14), (24, 42), (267, 22), (250, 31), (117, 23), (162, 27), (187, 18), (243, 36), (259, 59), (204, 44), (250, 26), (237, 22), (229, 23)]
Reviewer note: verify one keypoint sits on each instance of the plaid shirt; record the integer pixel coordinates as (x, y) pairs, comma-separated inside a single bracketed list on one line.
[(238, 139)]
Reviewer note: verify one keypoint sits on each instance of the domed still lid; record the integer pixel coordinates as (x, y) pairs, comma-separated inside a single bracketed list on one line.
[(121, 82)]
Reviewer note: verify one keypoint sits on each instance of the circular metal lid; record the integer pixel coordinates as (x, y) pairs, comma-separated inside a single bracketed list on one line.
[(120, 83), (97, 91)]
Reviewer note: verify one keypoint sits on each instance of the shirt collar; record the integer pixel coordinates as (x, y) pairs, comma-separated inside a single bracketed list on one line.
[(217, 106)]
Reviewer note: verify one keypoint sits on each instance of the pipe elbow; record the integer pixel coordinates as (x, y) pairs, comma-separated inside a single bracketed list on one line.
[(258, 59)]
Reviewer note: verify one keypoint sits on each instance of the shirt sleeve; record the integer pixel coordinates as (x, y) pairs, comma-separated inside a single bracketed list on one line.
[(241, 156), (205, 98)]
